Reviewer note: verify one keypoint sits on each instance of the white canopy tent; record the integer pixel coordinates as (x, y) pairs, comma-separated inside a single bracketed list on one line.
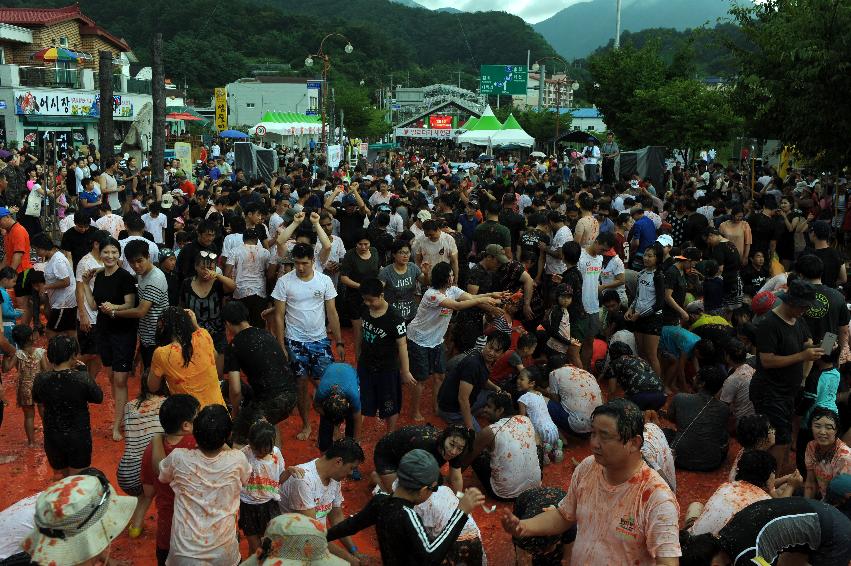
[(512, 134), (480, 134)]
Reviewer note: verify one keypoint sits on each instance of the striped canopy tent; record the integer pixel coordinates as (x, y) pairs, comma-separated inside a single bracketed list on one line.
[(287, 124), (482, 131), (512, 133)]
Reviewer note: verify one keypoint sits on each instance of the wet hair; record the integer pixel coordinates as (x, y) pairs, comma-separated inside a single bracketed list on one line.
[(440, 274), (173, 324), (751, 429), (710, 268), (571, 252), (712, 377), (21, 333), (704, 350), (336, 405), (610, 296), (136, 249), (362, 234), (755, 467), (458, 431), (8, 273), (501, 339), (212, 427), (62, 348), (628, 417), (823, 412), (347, 449), (698, 550), (619, 350), (101, 237), (81, 219), (398, 245), (176, 410), (206, 227), (261, 436), (502, 400), (809, 266), (372, 287), (748, 330), (736, 351), (302, 251), (527, 340), (43, 242), (133, 222), (235, 312)]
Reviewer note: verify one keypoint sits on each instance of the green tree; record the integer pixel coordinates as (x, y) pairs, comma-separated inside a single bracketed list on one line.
[(794, 78), (618, 75), (361, 118), (539, 125)]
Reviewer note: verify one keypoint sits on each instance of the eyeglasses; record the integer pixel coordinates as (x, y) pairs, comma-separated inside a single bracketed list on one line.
[(208, 255)]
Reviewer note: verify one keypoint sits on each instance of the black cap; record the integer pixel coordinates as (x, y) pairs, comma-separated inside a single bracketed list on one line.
[(417, 469)]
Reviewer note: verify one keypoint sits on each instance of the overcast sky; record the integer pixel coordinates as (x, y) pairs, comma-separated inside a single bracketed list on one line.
[(532, 11)]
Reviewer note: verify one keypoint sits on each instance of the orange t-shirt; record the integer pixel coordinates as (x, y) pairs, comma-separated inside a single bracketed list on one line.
[(200, 378), (18, 240), (631, 523)]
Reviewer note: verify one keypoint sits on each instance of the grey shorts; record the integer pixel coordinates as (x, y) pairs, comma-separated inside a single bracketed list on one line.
[(424, 362)]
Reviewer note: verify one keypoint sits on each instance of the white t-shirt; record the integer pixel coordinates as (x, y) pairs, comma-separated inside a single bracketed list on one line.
[(153, 252), (396, 226), (432, 320), (377, 198), (609, 272), (264, 482), (155, 225), (88, 262), (215, 150), (111, 185), (658, 454), (301, 494), (514, 458), (58, 267), (16, 522), (536, 409), (580, 394), (79, 175), (554, 265), (66, 223), (305, 318), (206, 501), (435, 252), (111, 223), (275, 221), (249, 270), (337, 253), (436, 511), (230, 243), (590, 267)]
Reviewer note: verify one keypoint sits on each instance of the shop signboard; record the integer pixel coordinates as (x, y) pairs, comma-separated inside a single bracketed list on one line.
[(221, 97), (425, 133), (45, 102), (440, 122)]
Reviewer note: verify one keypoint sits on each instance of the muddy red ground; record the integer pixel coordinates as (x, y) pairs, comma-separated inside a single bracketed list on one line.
[(29, 473)]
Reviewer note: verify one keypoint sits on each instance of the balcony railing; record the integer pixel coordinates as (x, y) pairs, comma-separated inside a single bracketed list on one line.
[(138, 86), (51, 77)]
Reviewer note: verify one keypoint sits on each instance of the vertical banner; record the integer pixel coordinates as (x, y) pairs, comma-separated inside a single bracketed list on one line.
[(183, 152), (221, 96), (335, 156)]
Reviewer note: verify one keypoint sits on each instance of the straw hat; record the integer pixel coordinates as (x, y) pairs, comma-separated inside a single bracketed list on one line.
[(294, 539), (76, 519)]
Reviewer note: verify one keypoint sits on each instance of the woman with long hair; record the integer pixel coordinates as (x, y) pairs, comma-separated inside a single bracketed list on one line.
[(360, 263), (646, 310), (185, 358)]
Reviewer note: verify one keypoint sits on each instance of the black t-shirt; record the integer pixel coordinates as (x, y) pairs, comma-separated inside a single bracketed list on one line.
[(112, 289), (472, 370), (634, 375), (66, 395), (675, 280), (515, 223), (701, 445), (573, 277), (832, 261), (379, 350), (529, 243), (774, 335), (483, 279), (764, 229), (396, 444), (208, 309), (830, 314), (259, 356), (350, 223), (767, 527), (695, 226), (753, 280), (77, 243), (727, 256)]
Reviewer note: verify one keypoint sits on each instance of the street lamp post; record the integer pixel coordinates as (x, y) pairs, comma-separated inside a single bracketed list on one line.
[(326, 66)]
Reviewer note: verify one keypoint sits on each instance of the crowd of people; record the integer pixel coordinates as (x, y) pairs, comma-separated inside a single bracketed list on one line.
[(528, 304)]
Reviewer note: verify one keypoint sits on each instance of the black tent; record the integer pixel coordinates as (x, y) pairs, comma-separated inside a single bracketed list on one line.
[(647, 162)]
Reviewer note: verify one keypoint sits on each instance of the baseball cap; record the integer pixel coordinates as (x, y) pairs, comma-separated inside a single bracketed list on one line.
[(167, 201), (424, 215), (350, 200), (5, 212), (666, 240), (76, 519), (763, 302), (799, 293), (417, 469), (495, 250)]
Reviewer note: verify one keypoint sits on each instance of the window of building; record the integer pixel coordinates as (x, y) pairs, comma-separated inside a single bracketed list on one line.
[(63, 41), (2, 56), (577, 128), (590, 128), (249, 105)]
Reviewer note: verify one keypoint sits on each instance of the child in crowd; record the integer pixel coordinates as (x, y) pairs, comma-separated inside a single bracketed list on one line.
[(65, 393), (206, 483), (514, 361), (557, 326), (259, 497), (713, 288), (30, 361), (8, 278), (533, 404), (176, 415)]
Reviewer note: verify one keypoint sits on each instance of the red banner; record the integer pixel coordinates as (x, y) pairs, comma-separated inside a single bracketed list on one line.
[(439, 122)]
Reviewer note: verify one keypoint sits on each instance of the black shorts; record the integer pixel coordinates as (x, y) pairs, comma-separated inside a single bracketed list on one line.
[(779, 412), (255, 517), (426, 361), (273, 410), (87, 340), (62, 320), (23, 287), (116, 349), (71, 449), (380, 392), (649, 324)]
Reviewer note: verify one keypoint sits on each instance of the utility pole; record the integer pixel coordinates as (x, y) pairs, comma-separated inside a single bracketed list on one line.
[(528, 58), (158, 100), (106, 140), (618, 25), (541, 85)]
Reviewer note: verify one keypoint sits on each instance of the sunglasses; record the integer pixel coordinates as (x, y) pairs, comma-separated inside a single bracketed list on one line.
[(208, 255)]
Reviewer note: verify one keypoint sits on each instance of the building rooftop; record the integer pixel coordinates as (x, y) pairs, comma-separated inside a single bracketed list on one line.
[(41, 17), (584, 113)]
